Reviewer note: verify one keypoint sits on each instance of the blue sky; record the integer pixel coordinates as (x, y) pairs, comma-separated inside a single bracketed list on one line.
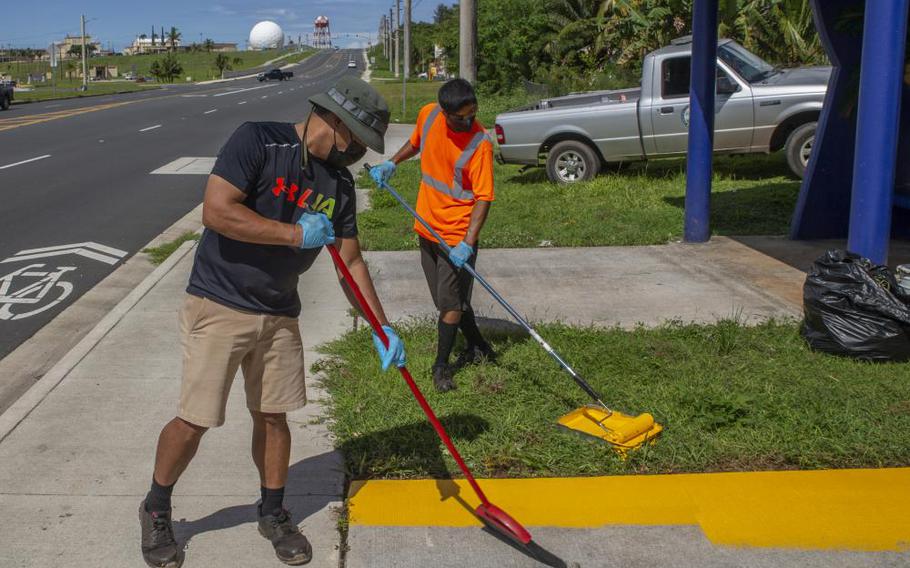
[(25, 23)]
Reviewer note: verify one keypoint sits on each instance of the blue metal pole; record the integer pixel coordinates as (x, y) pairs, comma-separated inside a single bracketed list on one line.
[(701, 122), (878, 116)]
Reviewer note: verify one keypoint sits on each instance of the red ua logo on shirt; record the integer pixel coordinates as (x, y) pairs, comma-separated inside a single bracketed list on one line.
[(321, 204)]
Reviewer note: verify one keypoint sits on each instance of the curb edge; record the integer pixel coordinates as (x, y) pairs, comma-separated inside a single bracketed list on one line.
[(35, 395)]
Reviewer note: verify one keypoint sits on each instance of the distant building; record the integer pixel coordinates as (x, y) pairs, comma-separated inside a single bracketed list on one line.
[(144, 44), (70, 41), (221, 47)]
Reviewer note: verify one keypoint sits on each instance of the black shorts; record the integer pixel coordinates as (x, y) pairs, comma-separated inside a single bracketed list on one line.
[(449, 286)]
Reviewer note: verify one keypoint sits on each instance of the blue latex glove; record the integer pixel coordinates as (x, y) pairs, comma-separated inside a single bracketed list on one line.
[(395, 351), (317, 230), (382, 173), (461, 254)]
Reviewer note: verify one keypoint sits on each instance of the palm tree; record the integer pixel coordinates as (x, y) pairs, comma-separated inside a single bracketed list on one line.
[(208, 44), (173, 36), (166, 69), (224, 63)]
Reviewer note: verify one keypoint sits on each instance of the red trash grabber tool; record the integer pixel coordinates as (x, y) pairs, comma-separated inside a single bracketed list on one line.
[(490, 514)]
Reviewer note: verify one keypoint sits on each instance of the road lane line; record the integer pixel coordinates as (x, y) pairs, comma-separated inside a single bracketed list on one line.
[(280, 92), (242, 103), (210, 111), (264, 97), (243, 90), (150, 128), (25, 161)]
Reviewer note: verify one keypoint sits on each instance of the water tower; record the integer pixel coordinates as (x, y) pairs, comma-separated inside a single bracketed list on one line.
[(322, 36)]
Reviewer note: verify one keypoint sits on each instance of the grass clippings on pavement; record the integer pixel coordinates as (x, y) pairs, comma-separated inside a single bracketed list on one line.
[(731, 397), (159, 254), (642, 204)]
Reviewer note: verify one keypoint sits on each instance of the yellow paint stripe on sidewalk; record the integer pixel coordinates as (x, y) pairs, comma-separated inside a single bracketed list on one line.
[(867, 509)]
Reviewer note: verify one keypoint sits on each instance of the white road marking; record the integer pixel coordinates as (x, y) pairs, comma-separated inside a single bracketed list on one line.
[(95, 251), (243, 90), (25, 161), (150, 128), (264, 97), (187, 165), (210, 111), (53, 106), (280, 92), (242, 103), (193, 95)]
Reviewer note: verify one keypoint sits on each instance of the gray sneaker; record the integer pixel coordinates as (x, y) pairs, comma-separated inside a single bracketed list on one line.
[(291, 547), (159, 549)]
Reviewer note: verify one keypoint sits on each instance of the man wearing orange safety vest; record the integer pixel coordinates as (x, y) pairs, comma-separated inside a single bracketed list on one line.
[(456, 163)]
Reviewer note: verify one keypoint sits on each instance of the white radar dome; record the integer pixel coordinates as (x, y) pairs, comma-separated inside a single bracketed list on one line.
[(266, 35)]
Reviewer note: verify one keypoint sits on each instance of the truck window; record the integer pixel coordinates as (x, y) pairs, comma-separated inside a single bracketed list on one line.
[(675, 75)]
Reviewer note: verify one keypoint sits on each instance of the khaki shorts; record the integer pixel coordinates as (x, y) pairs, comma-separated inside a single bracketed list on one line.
[(217, 340)]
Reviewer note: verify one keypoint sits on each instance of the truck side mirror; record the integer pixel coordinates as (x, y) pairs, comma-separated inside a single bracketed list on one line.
[(726, 86)]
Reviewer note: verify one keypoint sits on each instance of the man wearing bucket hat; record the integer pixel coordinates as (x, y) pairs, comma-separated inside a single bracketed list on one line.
[(278, 193), (456, 190)]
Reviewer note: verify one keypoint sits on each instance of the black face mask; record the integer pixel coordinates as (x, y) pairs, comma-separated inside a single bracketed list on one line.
[(459, 124), (351, 154)]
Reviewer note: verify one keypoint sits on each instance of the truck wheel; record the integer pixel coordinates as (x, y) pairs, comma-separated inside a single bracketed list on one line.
[(571, 161), (4, 103), (799, 147)]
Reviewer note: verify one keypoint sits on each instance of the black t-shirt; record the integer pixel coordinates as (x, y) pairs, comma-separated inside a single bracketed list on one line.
[(264, 160)]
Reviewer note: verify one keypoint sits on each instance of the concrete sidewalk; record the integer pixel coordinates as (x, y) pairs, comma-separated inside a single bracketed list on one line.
[(74, 468), (609, 286), (76, 451)]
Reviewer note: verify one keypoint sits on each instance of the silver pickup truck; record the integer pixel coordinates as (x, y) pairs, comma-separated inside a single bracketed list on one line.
[(759, 108)]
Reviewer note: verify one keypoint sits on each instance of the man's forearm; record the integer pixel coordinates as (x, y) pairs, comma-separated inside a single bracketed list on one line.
[(405, 153), (478, 218), (361, 275), (239, 222)]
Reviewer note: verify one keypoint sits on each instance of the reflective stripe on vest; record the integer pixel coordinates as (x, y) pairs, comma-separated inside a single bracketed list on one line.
[(456, 190)]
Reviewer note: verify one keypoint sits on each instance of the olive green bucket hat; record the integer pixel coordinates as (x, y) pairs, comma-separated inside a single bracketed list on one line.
[(360, 107)]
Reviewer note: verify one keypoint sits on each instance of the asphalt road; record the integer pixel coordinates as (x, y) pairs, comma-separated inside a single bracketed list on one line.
[(79, 171)]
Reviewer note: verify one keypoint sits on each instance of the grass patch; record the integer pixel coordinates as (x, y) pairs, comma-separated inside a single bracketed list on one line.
[(731, 398), (422, 92), (640, 205), (160, 253), (419, 93), (200, 65), (69, 90)]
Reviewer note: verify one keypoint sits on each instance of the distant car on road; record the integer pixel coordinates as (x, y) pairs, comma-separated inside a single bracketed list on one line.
[(129, 76), (276, 74), (6, 95), (352, 64)]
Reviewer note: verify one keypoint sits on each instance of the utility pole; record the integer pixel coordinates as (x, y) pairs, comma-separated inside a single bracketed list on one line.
[(406, 53), (391, 56), (84, 65), (384, 32), (397, 34), (467, 40)]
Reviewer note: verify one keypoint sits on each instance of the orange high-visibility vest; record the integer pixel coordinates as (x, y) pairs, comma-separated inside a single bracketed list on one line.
[(456, 171)]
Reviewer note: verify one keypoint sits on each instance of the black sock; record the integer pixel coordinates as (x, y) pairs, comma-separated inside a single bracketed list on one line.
[(446, 340), (471, 331), (159, 497), (272, 500)]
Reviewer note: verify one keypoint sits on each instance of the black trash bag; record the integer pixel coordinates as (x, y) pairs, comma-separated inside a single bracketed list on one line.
[(855, 308)]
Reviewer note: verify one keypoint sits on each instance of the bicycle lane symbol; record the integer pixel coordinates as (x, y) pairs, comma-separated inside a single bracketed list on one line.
[(28, 287), (33, 289)]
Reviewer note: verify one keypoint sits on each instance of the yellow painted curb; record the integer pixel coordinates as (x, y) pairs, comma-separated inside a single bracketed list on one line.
[(855, 509)]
